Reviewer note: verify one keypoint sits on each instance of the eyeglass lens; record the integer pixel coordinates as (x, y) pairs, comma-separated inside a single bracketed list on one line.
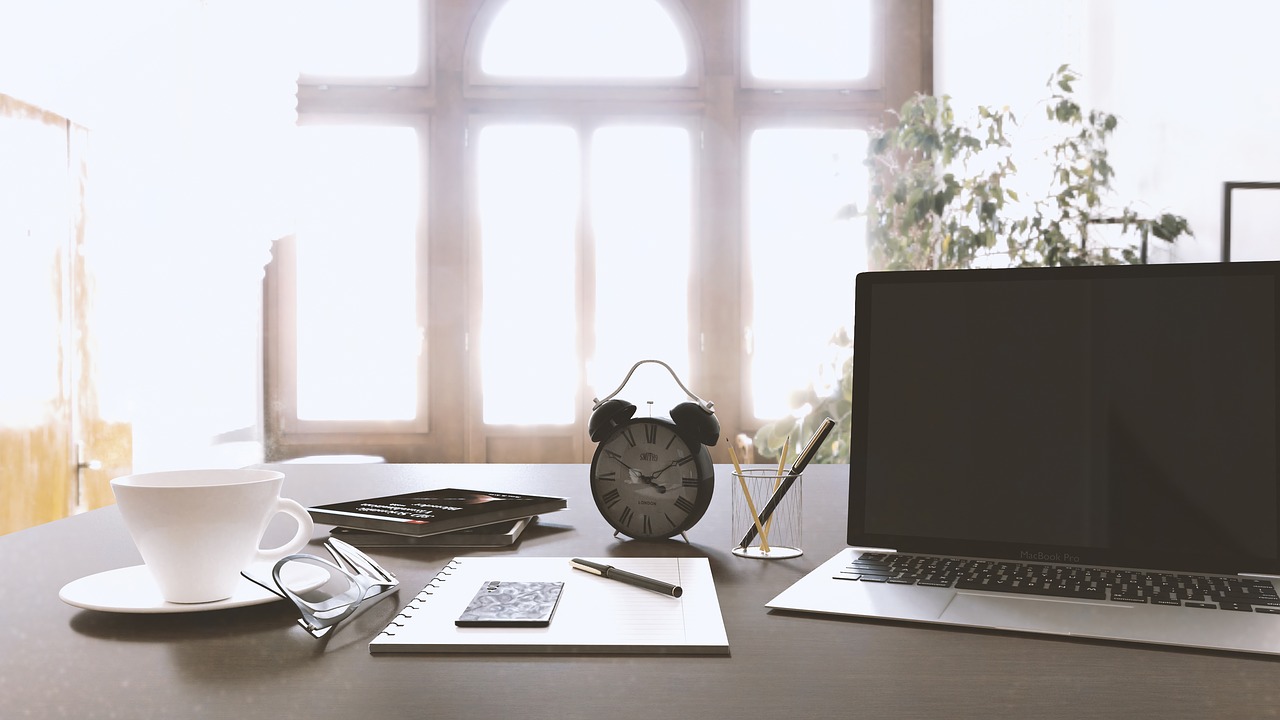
[(335, 597)]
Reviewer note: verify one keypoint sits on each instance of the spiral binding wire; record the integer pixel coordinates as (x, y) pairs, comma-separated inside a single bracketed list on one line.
[(421, 597)]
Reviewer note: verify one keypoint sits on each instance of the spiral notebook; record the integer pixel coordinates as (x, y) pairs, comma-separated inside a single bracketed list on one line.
[(595, 614)]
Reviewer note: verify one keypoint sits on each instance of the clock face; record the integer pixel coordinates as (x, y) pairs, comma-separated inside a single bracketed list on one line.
[(648, 482)]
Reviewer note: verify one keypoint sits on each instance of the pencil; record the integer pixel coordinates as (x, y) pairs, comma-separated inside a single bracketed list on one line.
[(782, 469), (746, 492), (802, 460)]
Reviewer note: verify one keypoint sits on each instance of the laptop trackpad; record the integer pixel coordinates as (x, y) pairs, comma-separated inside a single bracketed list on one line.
[(1016, 612)]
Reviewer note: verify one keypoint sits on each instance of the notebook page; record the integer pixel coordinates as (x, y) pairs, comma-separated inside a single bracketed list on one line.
[(595, 614)]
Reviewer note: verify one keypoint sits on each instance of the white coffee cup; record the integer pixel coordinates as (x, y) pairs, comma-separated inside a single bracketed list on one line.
[(197, 529)]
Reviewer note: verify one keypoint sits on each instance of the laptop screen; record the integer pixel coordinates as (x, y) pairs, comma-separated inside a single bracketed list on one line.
[(1121, 416)]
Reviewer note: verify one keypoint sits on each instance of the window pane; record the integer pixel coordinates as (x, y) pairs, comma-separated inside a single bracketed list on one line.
[(583, 39), (803, 257), (358, 37), (809, 40), (358, 336), (641, 218), (528, 185)]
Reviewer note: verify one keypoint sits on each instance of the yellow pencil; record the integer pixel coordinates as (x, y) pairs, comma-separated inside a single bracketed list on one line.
[(746, 492), (782, 465)]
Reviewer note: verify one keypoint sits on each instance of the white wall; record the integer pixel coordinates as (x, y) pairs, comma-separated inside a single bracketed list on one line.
[(187, 110), (1194, 84)]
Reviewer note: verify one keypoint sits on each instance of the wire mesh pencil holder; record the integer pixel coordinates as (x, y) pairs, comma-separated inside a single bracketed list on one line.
[(779, 534)]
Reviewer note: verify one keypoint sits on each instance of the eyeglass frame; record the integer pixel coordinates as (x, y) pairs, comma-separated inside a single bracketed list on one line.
[(360, 569)]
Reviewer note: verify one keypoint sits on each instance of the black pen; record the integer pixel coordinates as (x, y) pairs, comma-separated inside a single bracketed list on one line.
[(798, 467), (613, 573)]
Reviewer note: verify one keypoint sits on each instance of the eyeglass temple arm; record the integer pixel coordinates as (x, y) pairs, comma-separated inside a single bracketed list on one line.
[(357, 561)]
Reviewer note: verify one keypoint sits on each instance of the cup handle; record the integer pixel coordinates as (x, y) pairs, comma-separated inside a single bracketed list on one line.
[(305, 527)]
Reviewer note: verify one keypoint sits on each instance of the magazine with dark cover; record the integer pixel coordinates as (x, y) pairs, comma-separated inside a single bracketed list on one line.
[(499, 534), (429, 512)]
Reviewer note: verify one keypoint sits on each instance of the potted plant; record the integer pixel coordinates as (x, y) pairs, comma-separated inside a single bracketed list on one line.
[(942, 196)]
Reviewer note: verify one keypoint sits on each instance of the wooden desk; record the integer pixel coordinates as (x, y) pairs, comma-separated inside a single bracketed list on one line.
[(58, 661)]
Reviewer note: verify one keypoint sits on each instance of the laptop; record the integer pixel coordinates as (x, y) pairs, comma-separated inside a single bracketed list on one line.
[(1084, 451)]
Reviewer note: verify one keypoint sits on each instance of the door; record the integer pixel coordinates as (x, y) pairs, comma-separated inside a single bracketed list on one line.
[(56, 453)]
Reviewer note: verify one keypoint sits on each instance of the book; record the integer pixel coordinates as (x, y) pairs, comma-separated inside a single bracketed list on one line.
[(429, 512), (499, 534), (595, 614)]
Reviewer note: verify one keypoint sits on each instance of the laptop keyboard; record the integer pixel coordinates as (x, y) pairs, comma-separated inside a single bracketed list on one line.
[(1067, 581)]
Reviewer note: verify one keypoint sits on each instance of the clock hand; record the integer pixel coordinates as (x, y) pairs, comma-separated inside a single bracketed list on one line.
[(632, 472), (670, 465), (649, 480)]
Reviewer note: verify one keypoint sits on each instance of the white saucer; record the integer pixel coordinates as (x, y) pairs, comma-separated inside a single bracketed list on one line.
[(132, 590)]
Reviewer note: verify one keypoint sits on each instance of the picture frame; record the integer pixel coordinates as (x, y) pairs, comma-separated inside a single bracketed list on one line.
[(1250, 221)]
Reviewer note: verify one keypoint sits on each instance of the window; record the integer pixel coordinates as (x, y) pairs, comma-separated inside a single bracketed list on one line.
[(808, 42), (541, 40), (505, 220), (357, 332), (528, 179), (797, 180)]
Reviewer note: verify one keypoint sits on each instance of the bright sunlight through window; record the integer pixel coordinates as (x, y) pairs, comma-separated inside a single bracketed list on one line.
[(358, 39), (809, 40), (528, 185), (358, 335), (641, 220), (33, 188), (616, 40), (803, 256)]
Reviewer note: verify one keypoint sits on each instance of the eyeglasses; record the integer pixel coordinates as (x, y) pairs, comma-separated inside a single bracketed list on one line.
[(330, 596)]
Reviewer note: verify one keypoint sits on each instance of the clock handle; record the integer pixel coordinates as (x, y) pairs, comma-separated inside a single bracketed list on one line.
[(704, 404)]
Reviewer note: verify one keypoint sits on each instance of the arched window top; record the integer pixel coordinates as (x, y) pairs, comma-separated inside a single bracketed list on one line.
[(566, 40)]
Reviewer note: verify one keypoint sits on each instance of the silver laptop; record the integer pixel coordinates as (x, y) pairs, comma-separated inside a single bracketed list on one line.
[(1075, 451)]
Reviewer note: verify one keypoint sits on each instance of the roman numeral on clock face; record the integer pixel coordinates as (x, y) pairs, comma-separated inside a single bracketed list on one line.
[(651, 434), (611, 498), (648, 526), (631, 438), (626, 515), (684, 505)]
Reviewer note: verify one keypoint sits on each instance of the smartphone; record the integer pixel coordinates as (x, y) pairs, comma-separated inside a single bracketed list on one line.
[(508, 603)]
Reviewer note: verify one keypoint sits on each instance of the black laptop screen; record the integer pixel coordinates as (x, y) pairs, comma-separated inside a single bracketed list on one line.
[(1111, 416)]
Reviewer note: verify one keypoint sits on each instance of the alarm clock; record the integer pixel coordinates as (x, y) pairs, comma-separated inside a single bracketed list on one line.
[(652, 477)]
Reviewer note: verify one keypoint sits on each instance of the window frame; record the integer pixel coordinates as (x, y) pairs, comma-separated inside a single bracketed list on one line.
[(451, 101)]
